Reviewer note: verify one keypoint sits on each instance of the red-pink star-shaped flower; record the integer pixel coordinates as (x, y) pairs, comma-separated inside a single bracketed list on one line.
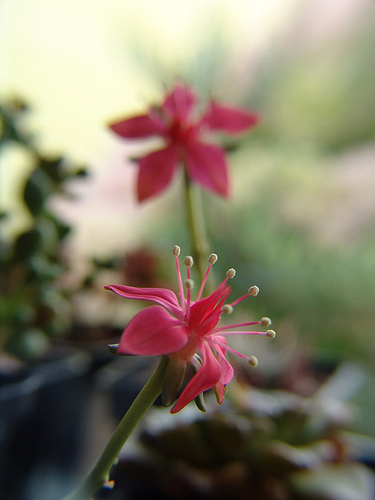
[(187, 332), (183, 132)]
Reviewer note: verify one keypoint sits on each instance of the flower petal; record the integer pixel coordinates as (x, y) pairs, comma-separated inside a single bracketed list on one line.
[(179, 103), (152, 332), (207, 308), (229, 119), (207, 377), (162, 296), (156, 171), (227, 371), (206, 164), (139, 127)]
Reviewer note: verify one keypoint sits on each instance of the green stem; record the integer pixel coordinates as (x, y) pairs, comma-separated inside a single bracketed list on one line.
[(196, 225), (99, 476)]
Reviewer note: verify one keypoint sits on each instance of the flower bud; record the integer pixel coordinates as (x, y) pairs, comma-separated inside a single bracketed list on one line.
[(172, 380)]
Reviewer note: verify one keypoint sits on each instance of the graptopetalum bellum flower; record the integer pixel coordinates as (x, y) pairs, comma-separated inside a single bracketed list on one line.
[(183, 132), (187, 332)]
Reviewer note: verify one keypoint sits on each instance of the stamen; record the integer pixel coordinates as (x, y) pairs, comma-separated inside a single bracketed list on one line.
[(211, 259), (265, 321), (235, 325), (235, 302), (253, 290), (253, 361), (176, 252), (188, 261), (239, 332), (227, 309), (271, 334), (227, 348), (189, 283), (231, 273)]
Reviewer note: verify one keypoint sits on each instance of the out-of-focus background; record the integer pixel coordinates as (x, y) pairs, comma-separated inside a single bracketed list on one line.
[(300, 222)]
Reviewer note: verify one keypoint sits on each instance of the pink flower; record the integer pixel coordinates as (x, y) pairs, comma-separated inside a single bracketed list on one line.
[(183, 133), (183, 328)]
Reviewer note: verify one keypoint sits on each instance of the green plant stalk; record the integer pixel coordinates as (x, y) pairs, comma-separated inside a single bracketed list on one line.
[(196, 226), (99, 476)]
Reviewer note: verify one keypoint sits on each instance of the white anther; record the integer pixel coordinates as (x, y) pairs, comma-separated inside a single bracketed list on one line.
[(212, 258), (231, 273), (188, 261), (227, 309), (253, 290), (265, 322), (253, 361), (176, 250), (271, 334), (189, 284)]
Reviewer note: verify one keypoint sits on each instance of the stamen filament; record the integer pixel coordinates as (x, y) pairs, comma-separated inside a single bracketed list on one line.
[(242, 332), (188, 294), (227, 348), (180, 285), (234, 325), (240, 299), (204, 281)]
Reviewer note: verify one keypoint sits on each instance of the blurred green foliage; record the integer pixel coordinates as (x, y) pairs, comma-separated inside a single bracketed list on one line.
[(33, 305)]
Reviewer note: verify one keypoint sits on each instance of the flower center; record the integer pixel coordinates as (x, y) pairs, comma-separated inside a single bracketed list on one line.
[(181, 133)]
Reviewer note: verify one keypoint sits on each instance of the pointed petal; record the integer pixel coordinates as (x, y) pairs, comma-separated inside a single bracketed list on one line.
[(207, 377), (229, 119), (179, 103), (139, 127), (227, 371), (156, 171), (152, 332), (204, 308), (161, 296), (206, 165)]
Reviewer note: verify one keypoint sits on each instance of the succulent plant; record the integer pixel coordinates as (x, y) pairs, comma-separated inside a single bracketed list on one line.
[(263, 444)]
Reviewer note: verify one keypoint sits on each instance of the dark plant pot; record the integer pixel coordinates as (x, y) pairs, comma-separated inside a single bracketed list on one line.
[(123, 379), (43, 450), (18, 399)]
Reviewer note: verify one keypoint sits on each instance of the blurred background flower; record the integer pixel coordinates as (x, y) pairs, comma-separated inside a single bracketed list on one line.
[(301, 220)]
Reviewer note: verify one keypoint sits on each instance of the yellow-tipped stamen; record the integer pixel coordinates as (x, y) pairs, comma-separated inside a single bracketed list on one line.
[(176, 250), (271, 334), (189, 284), (253, 361), (188, 261), (253, 291), (227, 309), (212, 258), (265, 321), (231, 273)]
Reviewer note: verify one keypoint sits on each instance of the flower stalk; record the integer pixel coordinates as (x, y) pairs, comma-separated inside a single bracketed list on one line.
[(99, 476), (196, 225)]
